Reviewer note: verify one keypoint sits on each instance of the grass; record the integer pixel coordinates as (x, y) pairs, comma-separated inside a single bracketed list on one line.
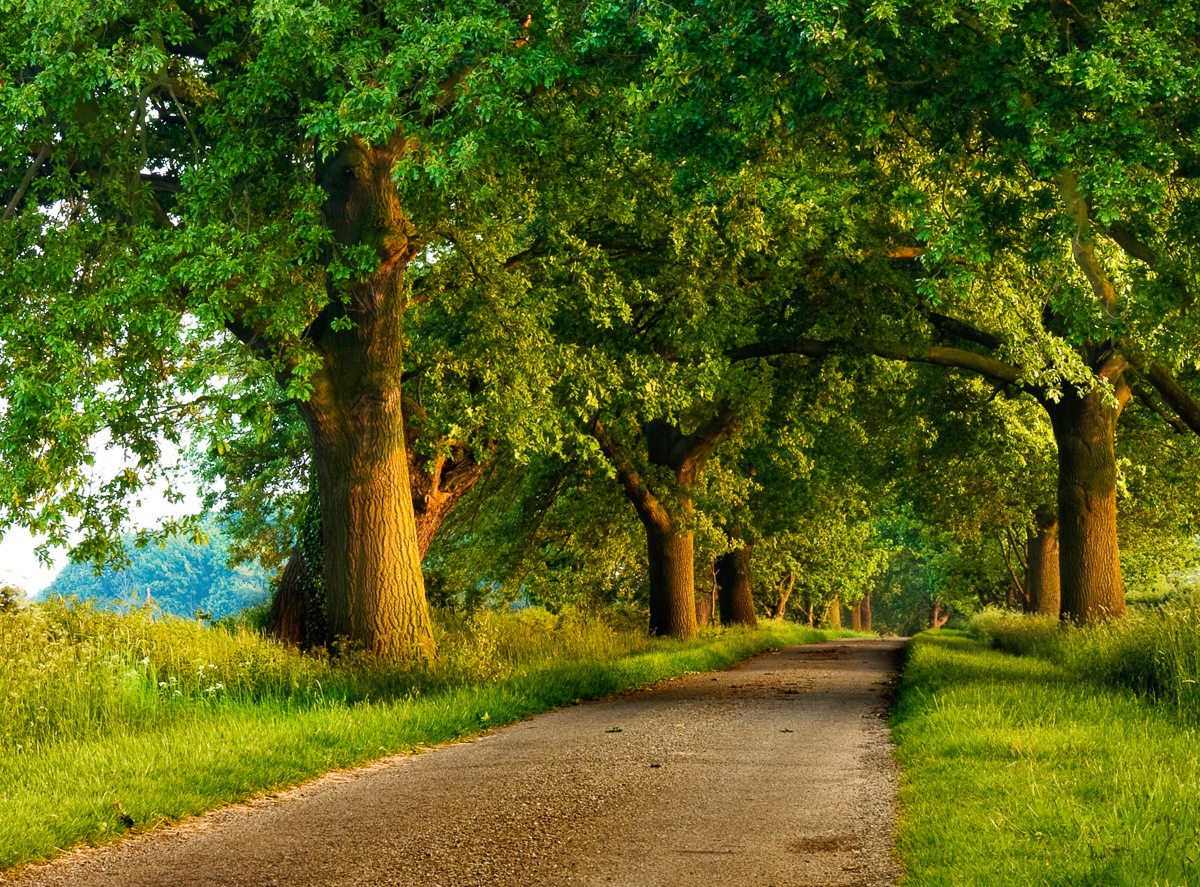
[(1155, 652), (114, 722), (1025, 770)]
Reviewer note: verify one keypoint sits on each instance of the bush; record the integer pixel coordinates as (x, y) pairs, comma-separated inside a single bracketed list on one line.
[(12, 598)]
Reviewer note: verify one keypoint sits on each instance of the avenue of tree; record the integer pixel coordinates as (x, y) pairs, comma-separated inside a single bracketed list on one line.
[(734, 310)]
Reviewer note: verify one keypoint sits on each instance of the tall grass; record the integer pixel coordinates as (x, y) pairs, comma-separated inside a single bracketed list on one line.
[(1154, 652), (71, 670), (1018, 770), (109, 721)]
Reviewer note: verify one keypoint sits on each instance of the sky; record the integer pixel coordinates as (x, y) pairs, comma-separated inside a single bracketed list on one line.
[(18, 562)]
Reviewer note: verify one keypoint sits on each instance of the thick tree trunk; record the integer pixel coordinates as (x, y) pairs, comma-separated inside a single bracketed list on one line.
[(294, 617), (856, 617), (1090, 564), (735, 591), (1042, 585), (290, 618), (665, 513), (784, 593), (374, 591), (865, 609), (672, 581), (833, 614)]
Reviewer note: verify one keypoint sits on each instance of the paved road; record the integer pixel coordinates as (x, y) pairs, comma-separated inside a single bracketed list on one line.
[(776, 772)]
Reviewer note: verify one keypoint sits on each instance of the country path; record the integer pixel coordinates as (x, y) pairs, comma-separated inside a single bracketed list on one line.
[(774, 773)]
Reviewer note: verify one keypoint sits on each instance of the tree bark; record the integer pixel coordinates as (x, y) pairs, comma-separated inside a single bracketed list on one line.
[(293, 617), (938, 618), (784, 594), (1090, 565), (290, 617), (833, 614), (672, 581), (374, 591), (735, 591), (866, 613), (1042, 584), (856, 617), (706, 602)]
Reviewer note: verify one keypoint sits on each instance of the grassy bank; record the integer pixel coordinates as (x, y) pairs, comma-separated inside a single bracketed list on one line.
[(1024, 770), (1155, 652), (115, 722)]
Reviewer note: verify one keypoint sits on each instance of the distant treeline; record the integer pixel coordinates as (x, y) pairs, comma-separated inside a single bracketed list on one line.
[(182, 578)]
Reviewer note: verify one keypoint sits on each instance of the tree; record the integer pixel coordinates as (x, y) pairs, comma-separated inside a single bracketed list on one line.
[(181, 577), (1041, 176), (179, 177)]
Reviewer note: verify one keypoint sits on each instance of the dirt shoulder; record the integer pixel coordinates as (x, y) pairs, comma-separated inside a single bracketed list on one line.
[(775, 772)]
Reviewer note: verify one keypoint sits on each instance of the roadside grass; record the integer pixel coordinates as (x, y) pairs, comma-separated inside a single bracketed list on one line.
[(1022, 770), (1155, 652), (111, 722)]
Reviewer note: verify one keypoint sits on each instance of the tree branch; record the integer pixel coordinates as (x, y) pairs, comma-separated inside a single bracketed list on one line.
[(690, 453), (1082, 249), (43, 155), (940, 355), (649, 509), (1175, 395), (960, 329)]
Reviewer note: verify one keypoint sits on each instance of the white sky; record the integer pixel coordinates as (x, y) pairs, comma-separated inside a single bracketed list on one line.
[(18, 562)]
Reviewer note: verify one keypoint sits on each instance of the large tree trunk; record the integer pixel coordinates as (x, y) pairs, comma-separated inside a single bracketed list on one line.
[(374, 591), (292, 615), (856, 616), (1090, 564), (1042, 584), (735, 588), (438, 486), (672, 581), (665, 512), (833, 614), (865, 610)]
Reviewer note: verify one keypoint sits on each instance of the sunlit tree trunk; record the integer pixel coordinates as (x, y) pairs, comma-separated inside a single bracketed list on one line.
[(833, 614), (785, 593), (666, 510), (856, 617), (438, 485), (672, 581), (937, 616), (374, 591), (1089, 561), (865, 609)]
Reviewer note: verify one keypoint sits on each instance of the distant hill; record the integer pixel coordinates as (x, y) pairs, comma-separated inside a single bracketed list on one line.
[(181, 578)]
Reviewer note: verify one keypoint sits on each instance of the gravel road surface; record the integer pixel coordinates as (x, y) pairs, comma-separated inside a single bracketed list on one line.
[(775, 773)]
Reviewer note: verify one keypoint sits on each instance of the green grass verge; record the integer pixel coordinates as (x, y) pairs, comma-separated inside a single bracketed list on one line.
[(164, 759), (1018, 771)]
